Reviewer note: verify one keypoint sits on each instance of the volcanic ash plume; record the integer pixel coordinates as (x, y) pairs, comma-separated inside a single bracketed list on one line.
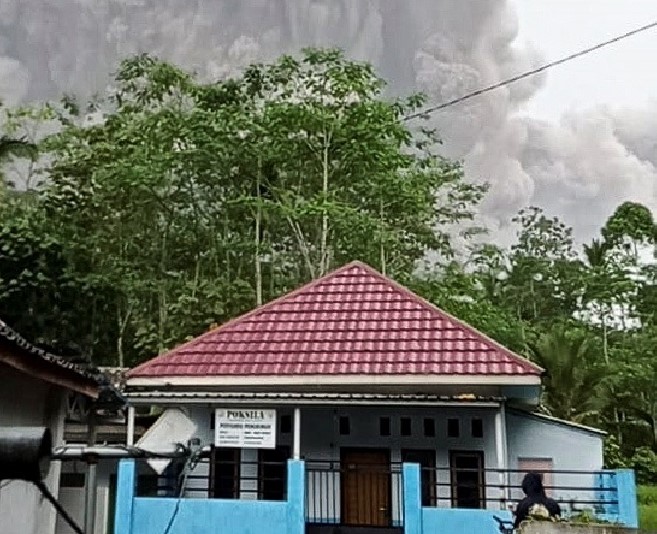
[(579, 166)]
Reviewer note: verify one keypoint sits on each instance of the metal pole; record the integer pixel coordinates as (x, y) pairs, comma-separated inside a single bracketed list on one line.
[(90, 497), (91, 482), (130, 431), (296, 444)]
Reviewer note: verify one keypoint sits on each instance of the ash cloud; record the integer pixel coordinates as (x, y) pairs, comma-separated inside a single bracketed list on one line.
[(579, 167)]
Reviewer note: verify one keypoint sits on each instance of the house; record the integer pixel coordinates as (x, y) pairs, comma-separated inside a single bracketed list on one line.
[(110, 430), (37, 388), (352, 405)]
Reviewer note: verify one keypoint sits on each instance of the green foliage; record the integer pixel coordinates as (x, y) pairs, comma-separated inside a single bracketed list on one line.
[(644, 462), (646, 494), (169, 205), (575, 378), (613, 454), (189, 203)]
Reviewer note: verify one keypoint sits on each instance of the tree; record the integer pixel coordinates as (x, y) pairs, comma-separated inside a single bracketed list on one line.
[(194, 202), (575, 378)]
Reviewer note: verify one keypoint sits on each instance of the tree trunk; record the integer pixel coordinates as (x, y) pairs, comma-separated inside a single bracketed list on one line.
[(258, 222), (382, 250), (323, 261)]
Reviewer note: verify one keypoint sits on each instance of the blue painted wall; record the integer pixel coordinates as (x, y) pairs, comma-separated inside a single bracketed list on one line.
[(152, 515), (455, 521)]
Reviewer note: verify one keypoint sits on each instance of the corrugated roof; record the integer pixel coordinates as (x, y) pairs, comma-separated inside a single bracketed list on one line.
[(353, 321), (12, 337)]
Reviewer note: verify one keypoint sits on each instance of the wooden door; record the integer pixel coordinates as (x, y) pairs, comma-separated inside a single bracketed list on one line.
[(365, 487)]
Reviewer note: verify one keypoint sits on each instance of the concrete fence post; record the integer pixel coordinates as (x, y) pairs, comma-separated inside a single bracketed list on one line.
[(125, 497), (296, 497), (628, 514), (412, 499)]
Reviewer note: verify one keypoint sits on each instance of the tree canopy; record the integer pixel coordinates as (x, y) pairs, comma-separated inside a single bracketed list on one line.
[(171, 204)]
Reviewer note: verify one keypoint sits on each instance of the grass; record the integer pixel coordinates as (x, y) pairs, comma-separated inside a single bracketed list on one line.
[(647, 497)]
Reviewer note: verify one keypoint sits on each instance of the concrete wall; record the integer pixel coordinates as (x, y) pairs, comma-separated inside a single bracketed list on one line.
[(569, 448), (565, 528), (457, 521), (141, 515), (25, 401)]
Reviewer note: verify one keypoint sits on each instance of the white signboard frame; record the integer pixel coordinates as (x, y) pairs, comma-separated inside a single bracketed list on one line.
[(245, 428)]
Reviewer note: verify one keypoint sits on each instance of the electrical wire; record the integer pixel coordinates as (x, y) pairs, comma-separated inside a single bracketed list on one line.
[(60, 509), (190, 465), (529, 73)]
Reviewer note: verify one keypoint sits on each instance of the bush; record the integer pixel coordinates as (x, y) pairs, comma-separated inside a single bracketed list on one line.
[(647, 495), (614, 458), (644, 463)]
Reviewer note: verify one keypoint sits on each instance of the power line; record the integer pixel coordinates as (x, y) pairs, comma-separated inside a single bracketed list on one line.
[(529, 73)]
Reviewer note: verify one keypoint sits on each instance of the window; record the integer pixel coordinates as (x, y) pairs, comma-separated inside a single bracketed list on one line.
[(384, 426), (225, 473), (453, 430), (429, 428), (405, 426), (477, 428), (467, 479), (427, 461), (345, 426), (286, 424), (272, 473)]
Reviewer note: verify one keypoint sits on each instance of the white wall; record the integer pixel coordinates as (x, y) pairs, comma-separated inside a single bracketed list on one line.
[(569, 448), (527, 437), (25, 401), (321, 440)]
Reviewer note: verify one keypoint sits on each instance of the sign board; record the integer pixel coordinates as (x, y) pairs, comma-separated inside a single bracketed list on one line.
[(245, 428)]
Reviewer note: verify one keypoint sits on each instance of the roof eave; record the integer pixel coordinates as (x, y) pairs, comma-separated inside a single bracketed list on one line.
[(50, 372), (313, 381)]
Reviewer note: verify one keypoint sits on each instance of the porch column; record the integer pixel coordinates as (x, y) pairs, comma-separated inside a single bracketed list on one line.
[(130, 431), (501, 450), (296, 435)]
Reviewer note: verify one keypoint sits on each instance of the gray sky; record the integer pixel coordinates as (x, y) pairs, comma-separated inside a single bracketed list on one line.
[(622, 74)]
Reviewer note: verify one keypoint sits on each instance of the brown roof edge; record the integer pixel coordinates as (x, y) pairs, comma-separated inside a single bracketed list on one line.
[(49, 372), (20, 354)]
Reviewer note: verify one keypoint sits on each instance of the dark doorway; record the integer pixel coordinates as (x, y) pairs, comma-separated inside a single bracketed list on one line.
[(272, 473), (467, 474), (224, 473)]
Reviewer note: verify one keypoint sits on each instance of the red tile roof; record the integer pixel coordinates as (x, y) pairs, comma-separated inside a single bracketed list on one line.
[(353, 321)]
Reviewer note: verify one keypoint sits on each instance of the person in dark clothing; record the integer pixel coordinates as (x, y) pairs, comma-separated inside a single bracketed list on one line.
[(535, 503)]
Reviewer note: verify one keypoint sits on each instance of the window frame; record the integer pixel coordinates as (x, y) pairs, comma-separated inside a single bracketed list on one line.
[(481, 482)]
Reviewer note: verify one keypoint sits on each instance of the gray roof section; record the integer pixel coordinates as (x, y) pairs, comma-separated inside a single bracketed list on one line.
[(556, 421)]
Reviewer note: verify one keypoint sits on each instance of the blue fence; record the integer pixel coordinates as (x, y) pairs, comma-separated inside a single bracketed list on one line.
[(419, 507)]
